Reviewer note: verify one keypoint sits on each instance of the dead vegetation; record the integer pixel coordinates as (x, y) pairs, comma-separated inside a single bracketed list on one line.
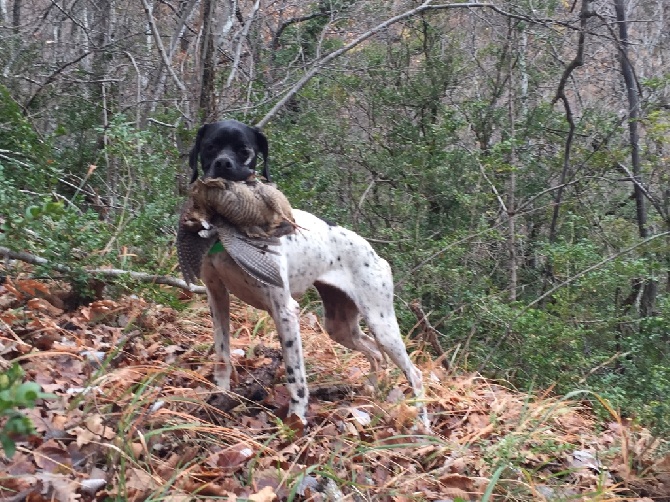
[(137, 418)]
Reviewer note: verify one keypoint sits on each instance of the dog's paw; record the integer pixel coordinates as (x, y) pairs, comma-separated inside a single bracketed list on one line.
[(222, 378)]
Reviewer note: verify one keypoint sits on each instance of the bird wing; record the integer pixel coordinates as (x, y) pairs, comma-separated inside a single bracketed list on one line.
[(253, 255), (190, 250)]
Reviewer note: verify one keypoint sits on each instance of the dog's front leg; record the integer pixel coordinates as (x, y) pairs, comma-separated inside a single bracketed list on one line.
[(218, 298), (285, 312)]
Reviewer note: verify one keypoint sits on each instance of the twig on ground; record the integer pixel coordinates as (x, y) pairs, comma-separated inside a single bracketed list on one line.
[(430, 334), (104, 272)]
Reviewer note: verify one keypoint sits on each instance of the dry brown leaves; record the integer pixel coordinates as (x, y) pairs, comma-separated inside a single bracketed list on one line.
[(137, 417)]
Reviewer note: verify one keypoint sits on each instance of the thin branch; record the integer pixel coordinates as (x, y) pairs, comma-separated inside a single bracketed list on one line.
[(164, 124), (62, 68), (70, 17), (572, 279), (53, 76), (294, 20), (578, 61), (493, 188), (12, 159), (243, 36), (440, 252), (161, 48), (105, 272), (653, 200), (430, 334), (359, 208)]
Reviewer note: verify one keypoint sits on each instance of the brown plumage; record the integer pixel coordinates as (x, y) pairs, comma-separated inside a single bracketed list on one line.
[(252, 207), (247, 218)]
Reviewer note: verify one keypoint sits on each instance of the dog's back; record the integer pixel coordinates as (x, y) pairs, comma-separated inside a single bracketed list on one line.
[(331, 254)]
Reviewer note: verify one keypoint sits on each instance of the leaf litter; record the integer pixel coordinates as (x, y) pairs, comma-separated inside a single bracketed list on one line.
[(137, 418)]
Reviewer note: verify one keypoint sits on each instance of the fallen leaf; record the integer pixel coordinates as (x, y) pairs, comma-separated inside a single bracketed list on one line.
[(64, 488), (96, 426), (234, 456), (51, 457), (41, 305), (267, 494), (84, 436), (361, 416)]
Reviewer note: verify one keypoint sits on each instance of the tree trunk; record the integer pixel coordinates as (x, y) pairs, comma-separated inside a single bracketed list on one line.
[(649, 288), (102, 26), (511, 187), (633, 115), (206, 105), (578, 61), (16, 16)]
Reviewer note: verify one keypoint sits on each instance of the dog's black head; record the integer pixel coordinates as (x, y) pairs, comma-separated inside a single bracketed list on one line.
[(228, 149)]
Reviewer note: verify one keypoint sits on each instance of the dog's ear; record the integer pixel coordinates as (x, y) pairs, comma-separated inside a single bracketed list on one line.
[(195, 152), (262, 143)]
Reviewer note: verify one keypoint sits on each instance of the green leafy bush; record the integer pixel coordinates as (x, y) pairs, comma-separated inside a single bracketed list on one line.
[(15, 395)]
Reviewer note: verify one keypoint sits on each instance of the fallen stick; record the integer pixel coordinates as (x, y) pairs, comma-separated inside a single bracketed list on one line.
[(105, 272), (429, 333)]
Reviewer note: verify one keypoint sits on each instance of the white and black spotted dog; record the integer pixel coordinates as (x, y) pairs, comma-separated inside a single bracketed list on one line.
[(352, 280)]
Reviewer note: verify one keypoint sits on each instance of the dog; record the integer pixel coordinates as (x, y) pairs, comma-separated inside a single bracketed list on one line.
[(351, 279)]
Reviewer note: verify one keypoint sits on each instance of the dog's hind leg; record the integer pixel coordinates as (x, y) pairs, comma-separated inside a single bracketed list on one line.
[(218, 298), (342, 325), (375, 303), (384, 327)]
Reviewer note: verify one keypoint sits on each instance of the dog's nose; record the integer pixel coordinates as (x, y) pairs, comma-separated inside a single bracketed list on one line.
[(223, 164)]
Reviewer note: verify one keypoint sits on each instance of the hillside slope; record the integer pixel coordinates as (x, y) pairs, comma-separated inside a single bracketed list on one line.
[(137, 418)]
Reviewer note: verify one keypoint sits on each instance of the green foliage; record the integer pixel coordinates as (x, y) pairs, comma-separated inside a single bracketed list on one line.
[(394, 162), (15, 395), (420, 143), (49, 193)]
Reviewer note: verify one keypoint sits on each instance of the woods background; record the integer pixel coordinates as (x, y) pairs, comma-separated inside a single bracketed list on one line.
[(509, 159)]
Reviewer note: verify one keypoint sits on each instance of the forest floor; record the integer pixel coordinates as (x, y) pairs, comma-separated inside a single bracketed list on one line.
[(136, 417)]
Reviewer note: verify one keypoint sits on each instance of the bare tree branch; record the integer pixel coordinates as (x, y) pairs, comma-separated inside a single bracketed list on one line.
[(294, 20), (578, 61), (243, 35), (161, 48), (105, 272), (653, 200), (430, 334)]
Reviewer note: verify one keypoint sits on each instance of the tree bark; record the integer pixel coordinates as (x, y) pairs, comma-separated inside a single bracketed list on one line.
[(511, 185), (16, 16), (206, 104), (649, 289)]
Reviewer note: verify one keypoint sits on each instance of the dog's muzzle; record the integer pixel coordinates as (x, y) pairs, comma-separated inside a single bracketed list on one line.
[(225, 167)]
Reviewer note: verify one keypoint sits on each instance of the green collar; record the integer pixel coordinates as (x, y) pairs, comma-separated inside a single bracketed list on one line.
[(216, 248)]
